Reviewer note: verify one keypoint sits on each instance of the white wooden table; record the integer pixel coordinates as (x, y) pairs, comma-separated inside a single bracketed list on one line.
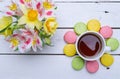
[(51, 63)]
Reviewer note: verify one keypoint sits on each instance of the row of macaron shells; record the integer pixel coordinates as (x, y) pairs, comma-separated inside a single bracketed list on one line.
[(92, 25)]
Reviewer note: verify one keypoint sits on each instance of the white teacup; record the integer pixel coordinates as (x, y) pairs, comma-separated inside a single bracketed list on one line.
[(104, 48)]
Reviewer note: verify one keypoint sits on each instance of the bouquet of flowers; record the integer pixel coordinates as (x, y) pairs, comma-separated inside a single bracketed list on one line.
[(29, 24)]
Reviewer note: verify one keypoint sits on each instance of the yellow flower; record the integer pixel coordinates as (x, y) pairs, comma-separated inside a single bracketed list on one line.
[(14, 42), (5, 22), (47, 5), (8, 32), (34, 42), (13, 7), (50, 25), (30, 18), (27, 0)]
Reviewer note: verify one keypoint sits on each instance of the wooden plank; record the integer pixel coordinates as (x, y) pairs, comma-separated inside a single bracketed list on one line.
[(79, 0), (82, 1), (70, 13), (58, 44), (50, 67), (87, 0)]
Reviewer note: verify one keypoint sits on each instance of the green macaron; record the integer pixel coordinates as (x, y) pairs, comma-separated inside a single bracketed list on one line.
[(77, 63), (80, 27), (113, 43)]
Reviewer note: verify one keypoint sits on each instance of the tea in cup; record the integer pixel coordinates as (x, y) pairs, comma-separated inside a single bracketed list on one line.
[(91, 45)]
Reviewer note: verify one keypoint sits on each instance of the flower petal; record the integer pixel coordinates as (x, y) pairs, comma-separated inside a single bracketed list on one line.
[(22, 1), (39, 46), (5, 21), (34, 48), (22, 20), (38, 24), (31, 25), (39, 43), (47, 5), (49, 13), (38, 5), (9, 13), (22, 48), (50, 25), (24, 9)]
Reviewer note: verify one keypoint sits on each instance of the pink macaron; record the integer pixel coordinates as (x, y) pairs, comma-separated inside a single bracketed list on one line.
[(70, 37), (106, 31), (92, 66)]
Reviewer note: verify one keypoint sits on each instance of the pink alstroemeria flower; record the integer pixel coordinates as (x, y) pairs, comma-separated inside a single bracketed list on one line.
[(32, 40), (38, 5), (13, 9), (24, 40)]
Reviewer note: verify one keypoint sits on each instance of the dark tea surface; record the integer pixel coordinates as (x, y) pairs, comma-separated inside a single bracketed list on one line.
[(89, 45)]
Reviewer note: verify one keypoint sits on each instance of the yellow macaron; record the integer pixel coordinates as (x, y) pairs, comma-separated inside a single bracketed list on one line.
[(93, 25), (69, 50), (107, 60)]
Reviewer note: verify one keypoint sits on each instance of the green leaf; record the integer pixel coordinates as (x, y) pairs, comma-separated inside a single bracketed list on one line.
[(5, 22), (3, 30), (44, 34), (43, 43), (48, 41), (43, 19), (16, 49), (55, 8), (17, 17)]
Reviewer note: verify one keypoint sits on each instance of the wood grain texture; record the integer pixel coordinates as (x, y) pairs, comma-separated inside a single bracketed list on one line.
[(51, 63), (70, 13), (87, 1), (52, 67), (58, 44)]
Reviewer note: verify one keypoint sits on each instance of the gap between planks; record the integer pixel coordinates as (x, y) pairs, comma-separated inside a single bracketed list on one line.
[(51, 54), (73, 27), (42, 54)]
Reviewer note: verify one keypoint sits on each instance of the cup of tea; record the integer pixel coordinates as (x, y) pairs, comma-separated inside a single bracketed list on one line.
[(91, 45)]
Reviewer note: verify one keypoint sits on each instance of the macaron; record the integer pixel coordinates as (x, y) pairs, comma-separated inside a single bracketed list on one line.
[(77, 63), (70, 37), (80, 27), (69, 50), (113, 43), (106, 31), (92, 66), (107, 60), (93, 25)]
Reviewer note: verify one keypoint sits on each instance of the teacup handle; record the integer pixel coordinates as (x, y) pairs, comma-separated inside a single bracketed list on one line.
[(107, 49)]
